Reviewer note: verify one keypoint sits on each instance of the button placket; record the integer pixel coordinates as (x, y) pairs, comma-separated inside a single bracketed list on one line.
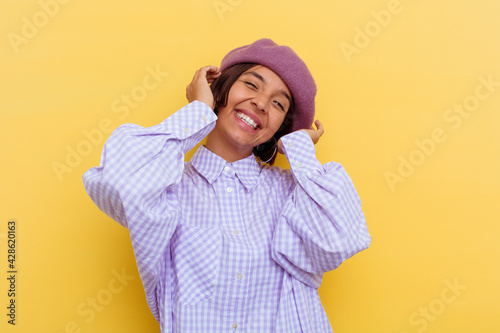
[(236, 245)]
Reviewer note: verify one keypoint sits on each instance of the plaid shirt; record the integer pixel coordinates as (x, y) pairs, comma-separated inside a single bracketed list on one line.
[(227, 247)]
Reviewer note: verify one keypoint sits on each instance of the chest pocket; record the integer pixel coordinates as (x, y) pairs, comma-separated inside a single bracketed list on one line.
[(195, 256)]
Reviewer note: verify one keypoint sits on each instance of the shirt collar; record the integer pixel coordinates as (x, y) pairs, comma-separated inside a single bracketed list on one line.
[(210, 166)]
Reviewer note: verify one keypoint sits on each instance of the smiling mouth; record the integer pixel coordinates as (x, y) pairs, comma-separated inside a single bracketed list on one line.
[(247, 120)]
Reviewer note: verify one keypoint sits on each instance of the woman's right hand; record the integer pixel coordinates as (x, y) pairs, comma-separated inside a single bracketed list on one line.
[(199, 88)]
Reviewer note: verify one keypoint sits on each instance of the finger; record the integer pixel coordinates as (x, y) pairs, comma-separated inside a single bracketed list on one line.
[(280, 147), (212, 77), (319, 126), (208, 74), (210, 70), (203, 72), (312, 127)]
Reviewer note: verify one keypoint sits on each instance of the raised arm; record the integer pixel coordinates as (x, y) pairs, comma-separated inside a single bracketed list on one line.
[(322, 223)]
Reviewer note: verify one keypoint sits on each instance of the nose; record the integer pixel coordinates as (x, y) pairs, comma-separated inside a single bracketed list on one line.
[(260, 101)]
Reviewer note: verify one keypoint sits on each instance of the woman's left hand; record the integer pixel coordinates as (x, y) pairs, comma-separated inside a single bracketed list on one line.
[(315, 134)]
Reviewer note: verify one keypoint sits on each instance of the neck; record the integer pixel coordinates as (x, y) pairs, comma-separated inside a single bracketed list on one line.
[(223, 148)]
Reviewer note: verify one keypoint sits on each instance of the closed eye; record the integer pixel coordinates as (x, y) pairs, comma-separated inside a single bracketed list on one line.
[(251, 84), (279, 105)]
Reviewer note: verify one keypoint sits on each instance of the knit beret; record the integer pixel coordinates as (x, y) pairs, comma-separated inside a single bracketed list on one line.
[(291, 69)]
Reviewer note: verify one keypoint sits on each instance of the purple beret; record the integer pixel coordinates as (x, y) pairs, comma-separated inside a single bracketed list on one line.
[(290, 68)]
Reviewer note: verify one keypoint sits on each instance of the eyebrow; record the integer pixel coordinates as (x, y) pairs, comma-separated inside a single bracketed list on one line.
[(260, 77)]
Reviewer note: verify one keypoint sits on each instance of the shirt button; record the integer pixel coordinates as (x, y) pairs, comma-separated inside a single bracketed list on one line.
[(186, 129), (239, 276), (299, 165), (234, 325), (236, 232), (229, 189), (291, 144), (204, 118), (226, 168)]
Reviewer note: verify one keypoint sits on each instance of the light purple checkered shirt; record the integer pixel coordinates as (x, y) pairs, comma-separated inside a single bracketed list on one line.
[(227, 247)]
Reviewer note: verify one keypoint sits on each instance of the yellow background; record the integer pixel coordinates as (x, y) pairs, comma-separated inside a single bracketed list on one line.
[(434, 264)]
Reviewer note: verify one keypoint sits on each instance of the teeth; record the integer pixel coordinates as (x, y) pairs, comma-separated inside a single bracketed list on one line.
[(247, 119)]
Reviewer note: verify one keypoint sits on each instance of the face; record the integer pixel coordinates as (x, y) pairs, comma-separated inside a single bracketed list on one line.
[(257, 105)]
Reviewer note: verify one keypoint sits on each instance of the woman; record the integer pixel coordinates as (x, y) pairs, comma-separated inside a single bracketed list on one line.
[(225, 242)]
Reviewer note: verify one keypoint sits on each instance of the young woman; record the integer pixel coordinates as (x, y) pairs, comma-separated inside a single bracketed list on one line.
[(226, 242)]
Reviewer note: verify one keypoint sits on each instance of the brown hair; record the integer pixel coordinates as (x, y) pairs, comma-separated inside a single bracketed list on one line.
[(220, 89)]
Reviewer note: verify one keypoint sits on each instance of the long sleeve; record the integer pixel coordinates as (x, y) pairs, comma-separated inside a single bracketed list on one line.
[(135, 186), (321, 223)]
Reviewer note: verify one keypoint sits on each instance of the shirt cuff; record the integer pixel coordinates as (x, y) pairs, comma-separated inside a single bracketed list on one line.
[(190, 124), (300, 152)]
